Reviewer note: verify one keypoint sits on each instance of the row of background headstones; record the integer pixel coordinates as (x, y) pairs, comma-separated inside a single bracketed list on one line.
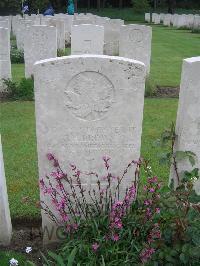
[(189, 21), (112, 38)]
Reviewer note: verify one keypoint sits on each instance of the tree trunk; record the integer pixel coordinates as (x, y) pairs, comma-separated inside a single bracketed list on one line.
[(98, 5), (88, 4), (154, 4), (75, 6), (171, 6)]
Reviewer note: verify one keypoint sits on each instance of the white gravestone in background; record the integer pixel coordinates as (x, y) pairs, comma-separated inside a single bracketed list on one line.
[(87, 39), (4, 24), (135, 43), (111, 36), (196, 25), (41, 43), (60, 26), (5, 220), (188, 116), (167, 20), (5, 64), (87, 107), (147, 17), (157, 19)]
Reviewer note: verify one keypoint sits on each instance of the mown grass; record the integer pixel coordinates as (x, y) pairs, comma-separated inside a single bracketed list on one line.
[(6, 256), (19, 146)]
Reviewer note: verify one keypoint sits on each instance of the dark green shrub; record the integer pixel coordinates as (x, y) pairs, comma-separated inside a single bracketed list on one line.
[(150, 88), (64, 52), (22, 91), (140, 5), (17, 56)]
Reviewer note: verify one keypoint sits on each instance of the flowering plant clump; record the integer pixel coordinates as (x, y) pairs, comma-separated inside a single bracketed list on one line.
[(98, 218), (73, 201), (147, 224)]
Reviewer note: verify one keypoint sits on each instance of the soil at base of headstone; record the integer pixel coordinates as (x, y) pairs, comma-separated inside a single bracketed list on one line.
[(167, 92), (28, 233)]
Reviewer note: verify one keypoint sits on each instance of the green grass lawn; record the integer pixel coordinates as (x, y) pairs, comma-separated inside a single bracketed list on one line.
[(169, 48), (19, 146), (6, 256)]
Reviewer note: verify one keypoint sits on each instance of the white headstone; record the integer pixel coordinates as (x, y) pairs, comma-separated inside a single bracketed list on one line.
[(5, 224), (135, 43), (153, 17), (4, 24), (41, 43), (87, 107), (147, 17), (157, 19), (196, 25), (167, 20), (60, 26), (87, 39), (5, 64), (111, 36), (162, 17), (82, 21), (190, 21), (21, 32), (188, 116)]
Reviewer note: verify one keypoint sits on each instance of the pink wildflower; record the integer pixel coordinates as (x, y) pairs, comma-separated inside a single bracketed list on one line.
[(152, 190), (147, 202), (50, 156), (146, 254), (65, 218), (95, 247), (157, 210), (115, 237), (145, 188), (75, 226)]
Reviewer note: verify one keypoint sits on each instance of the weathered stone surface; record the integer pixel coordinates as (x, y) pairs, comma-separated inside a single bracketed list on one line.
[(167, 20), (87, 107), (157, 18), (162, 17), (101, 20), (112, 36), (196, 25), (5, 64), (87, 39), (40, 43), (68, 24), (5, 224), (153, 17), (188, 116), (82, 21), (60, 26), (135, 43), (21, 33), (147, 17), (4, 24)]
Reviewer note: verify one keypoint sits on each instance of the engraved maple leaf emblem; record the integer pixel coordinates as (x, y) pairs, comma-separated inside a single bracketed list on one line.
[(89, 96)]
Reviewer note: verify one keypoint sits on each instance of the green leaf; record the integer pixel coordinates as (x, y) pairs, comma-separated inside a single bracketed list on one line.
[(57, 258), (30, 263), (45, 259), (72, 257), (183, 258), (102, 261)]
